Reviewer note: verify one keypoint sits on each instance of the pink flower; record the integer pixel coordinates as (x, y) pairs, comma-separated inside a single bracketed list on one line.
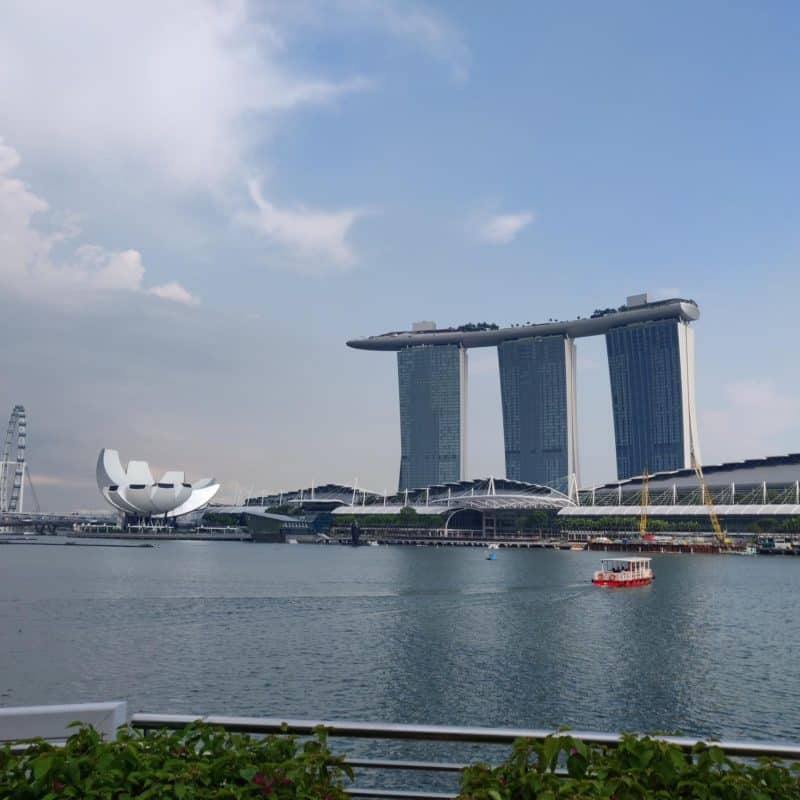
[(265, 783)]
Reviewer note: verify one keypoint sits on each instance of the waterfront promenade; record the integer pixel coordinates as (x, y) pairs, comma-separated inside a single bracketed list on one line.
[(614, 540), (202, 534)]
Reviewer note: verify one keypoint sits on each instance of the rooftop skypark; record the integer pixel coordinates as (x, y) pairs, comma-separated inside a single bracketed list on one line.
[(637, 309)]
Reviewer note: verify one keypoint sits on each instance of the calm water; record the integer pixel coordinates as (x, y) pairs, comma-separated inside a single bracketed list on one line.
[(406, 635)]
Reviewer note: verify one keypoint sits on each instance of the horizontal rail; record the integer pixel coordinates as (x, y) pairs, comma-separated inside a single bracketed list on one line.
[(401, 794), (427, 766), (446, 733)]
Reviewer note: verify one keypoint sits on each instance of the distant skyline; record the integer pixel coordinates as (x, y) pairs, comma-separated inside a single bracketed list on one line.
[(201, 201)]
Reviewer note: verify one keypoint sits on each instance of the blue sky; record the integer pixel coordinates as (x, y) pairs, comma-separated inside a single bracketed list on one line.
[(201, 201)]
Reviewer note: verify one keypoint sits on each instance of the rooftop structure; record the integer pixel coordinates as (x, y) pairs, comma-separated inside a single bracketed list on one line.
[(741, 492), (772, 470), (437, 498), (135, 493), (490, 335), (325, 496)]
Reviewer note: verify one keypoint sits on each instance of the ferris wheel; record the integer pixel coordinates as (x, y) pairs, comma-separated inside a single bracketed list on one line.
[(12, 466)]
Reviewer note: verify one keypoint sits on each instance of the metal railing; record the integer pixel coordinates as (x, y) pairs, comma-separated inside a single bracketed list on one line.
[(375, 731)]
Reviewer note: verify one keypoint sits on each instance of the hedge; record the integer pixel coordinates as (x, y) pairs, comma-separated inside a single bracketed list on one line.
[(202, 761)]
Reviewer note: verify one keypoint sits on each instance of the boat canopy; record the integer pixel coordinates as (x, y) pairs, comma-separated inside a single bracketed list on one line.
[(627, 561)]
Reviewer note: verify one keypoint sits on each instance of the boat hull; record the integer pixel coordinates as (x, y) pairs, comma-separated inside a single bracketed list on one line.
[(620, 583)]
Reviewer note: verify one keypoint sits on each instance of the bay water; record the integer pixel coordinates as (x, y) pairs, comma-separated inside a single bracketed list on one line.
[(405, 634)]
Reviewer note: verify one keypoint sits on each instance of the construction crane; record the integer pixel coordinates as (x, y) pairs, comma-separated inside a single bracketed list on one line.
[(722, 540), (645, 502)]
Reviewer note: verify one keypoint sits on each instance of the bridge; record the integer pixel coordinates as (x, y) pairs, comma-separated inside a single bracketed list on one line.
[(43, 522)]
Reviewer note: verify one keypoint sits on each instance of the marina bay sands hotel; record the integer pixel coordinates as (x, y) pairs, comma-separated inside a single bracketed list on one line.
[(651, 367)]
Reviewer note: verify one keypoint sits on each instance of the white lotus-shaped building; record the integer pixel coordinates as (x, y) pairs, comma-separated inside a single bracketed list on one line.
[(134, 492)]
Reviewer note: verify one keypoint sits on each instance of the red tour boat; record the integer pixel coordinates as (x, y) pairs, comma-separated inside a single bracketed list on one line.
[(624, 572)]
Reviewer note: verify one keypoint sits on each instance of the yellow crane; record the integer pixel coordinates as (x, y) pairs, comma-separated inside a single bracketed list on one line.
[(645, 502), (719, 535), (722, 540)]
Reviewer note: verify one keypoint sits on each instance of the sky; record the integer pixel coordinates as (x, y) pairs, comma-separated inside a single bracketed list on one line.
[(202, 200)]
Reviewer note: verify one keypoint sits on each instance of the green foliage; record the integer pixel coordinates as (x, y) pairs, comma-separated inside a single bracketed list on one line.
[(534, 520), (477, 326), (609, 523), (628, 523), (638, 768), (198, 762), (203, 761), (774, 524), (388, 522)]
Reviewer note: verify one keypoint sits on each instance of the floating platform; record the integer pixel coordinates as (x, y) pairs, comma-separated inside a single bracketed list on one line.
[(73, 544)]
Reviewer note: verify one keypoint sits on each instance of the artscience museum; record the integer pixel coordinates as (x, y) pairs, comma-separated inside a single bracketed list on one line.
[(135, 493)]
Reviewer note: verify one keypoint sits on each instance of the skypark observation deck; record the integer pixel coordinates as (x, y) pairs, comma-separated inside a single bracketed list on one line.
[(651, 368), (596, 325)]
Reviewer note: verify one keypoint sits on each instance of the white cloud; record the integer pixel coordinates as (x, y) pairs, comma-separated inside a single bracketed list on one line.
[(503, 228), (98, 268), (47, 481), (756, 418), (414, 23), (428, 30), (27, 264), (318, 238), (177, 100), (183, 88), (176, 293), (174, 99)]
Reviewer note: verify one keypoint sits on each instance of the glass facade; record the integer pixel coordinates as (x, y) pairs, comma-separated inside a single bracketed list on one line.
[(537, 390), (647, 396), (433, 385)]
